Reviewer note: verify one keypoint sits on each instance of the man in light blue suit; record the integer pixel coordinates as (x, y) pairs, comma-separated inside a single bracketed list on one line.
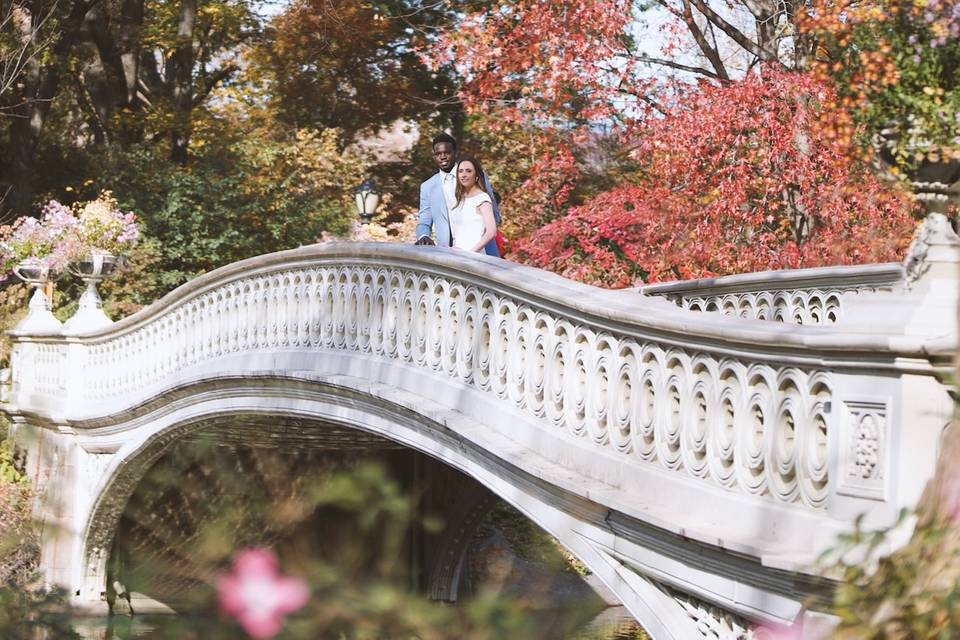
[(437, 197)]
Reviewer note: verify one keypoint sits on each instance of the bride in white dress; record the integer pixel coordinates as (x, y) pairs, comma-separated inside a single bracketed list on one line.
[(471, 221)]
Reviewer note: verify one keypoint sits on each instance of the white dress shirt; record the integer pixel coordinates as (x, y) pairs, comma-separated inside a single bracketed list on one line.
[(449, 183)]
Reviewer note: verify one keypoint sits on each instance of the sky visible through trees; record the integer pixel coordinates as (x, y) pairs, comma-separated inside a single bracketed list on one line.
[(248, 114)]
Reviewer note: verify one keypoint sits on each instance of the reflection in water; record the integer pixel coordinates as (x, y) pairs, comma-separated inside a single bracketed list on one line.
[(614, 623)]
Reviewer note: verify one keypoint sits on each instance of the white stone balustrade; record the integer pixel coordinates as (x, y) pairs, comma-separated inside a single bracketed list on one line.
[(798, 296), (751, 417), (763, 438)]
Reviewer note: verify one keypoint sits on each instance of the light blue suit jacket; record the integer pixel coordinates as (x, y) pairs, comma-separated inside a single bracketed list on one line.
[(435, 218)]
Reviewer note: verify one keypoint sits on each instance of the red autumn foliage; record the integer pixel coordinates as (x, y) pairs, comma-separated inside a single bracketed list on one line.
[(735, 178), (528, 58), (544, 194)]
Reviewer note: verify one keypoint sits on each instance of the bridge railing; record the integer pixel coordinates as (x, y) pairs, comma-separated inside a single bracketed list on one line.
[(810, 419), (798, 296)]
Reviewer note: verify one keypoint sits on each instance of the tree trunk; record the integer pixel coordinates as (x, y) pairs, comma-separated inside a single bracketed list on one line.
[(29, 114), (131, 20), (26, 124), (181, 79), (110, 81)]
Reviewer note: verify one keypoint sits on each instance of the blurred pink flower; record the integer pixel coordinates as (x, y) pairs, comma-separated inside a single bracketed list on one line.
[(772, 631), (257, 596), (951, 498)]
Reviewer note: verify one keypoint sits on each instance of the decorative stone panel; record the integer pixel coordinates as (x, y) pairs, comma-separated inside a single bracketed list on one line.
[(799, 306), (864, 449)]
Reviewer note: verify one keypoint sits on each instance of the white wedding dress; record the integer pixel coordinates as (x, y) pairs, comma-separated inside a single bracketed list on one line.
[(466, 223)]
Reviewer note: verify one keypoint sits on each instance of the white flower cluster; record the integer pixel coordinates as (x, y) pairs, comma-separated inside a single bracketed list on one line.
[(64, 235)]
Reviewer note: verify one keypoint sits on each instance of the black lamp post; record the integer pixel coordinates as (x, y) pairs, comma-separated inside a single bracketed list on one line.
[(368, 197)]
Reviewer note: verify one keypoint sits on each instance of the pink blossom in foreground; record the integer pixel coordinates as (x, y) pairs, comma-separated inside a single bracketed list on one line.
[(257, 596), (951, 499), (818, 628), (771, 631)]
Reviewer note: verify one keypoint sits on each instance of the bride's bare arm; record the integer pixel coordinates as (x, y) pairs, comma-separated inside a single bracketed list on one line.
[(489, 226)]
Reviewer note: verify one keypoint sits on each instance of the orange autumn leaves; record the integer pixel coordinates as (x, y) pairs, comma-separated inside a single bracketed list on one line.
[(736, 179), (896, 68), (530, 58)]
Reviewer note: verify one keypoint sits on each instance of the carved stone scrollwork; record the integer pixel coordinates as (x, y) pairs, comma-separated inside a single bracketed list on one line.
[(935, 231), (795, 306), (799, 296), (712, 622), (866, 455), (754, 428), (915, 264)]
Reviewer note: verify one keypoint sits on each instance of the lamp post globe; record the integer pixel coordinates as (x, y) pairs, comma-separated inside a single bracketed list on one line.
[(367, 198)]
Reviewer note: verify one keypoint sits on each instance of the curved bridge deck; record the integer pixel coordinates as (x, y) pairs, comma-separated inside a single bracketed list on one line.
[(697, 463)]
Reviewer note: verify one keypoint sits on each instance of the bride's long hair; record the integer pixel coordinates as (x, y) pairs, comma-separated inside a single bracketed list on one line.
[(461, 193)]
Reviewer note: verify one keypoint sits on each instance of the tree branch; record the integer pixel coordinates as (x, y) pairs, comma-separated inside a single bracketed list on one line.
[(732, 32), (219, 76), (674, 65), (656, 106), (712, 55)]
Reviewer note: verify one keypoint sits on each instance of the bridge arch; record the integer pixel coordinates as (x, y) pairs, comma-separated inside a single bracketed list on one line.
[(253, 402)]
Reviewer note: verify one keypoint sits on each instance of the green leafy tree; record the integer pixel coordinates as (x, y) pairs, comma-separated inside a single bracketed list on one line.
[(896, 66), (245, 195), (353, 65), (114, 74)]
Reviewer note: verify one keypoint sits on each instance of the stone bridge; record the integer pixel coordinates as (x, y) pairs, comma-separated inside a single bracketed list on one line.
[(697, 462)]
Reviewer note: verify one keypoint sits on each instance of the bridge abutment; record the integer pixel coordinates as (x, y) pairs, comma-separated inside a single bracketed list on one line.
[(64, 478)]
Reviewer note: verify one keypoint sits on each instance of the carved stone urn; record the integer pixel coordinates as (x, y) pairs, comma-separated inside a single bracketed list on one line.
[(936, 183), (932, 264), (94, 268), (40, 319)]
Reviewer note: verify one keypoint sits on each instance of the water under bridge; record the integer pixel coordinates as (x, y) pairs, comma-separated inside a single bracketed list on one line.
[(696, 445)]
